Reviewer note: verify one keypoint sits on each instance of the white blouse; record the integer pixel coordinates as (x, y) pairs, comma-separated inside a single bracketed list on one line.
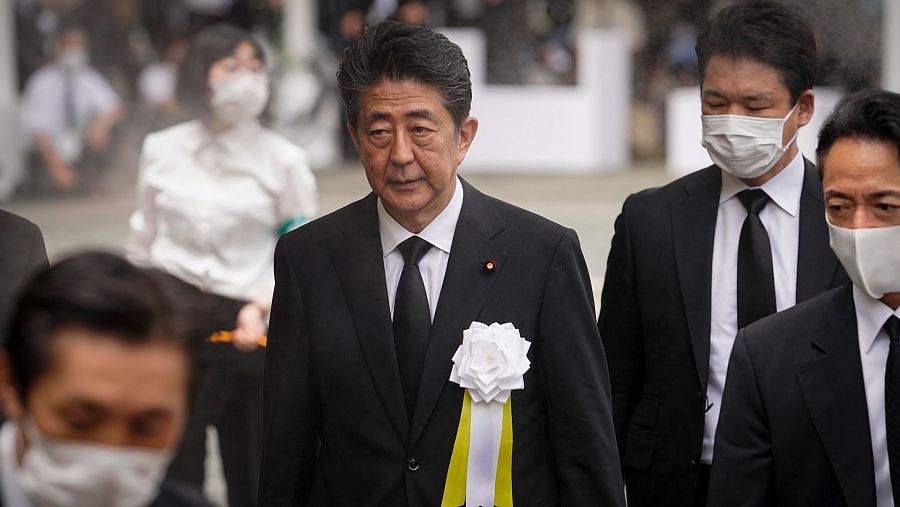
[(210, 207)]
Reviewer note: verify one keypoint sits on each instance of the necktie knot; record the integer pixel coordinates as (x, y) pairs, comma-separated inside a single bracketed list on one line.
[(413, 249), (754, 200), (892, 326)]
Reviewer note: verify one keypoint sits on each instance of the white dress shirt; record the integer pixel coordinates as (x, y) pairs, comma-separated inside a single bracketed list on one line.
[(433, 264), (781, 217), (11, 494), (874, 345), (210, 207), (44, 109)]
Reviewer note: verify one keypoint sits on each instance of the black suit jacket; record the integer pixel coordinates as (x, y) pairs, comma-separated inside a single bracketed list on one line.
[(336, 431), (22, 252), (655, 324), (794, 427)]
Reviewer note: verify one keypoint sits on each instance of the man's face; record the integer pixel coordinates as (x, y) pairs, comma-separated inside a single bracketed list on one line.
[(862, 184), (99, 390), (746, 87), (410, 149)]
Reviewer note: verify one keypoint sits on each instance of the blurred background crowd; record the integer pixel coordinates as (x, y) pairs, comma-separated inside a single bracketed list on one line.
[(133, 49)]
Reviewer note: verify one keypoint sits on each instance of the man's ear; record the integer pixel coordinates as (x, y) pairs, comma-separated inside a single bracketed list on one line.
[(806, 106), (353, 137), (10, 401), (466, 136)]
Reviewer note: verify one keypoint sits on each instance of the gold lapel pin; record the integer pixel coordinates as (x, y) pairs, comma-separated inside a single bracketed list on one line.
[(489, 266)]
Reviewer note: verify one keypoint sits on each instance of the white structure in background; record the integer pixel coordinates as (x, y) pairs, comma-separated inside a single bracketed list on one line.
[(890, 44), (11, 164), (684, 131), (561, 129), (306, 106)]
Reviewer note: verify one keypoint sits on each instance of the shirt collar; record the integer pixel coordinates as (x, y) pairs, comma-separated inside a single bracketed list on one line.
[(11, 493), (871, 314), (784, 189), (439, 232)]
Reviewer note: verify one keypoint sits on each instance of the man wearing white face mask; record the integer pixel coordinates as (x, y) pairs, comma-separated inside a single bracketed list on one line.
[(696, 260), (68, 114), (95, 377), (811, 412)]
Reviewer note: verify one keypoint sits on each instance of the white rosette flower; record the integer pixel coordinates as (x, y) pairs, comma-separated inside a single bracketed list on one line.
[(491, 361)]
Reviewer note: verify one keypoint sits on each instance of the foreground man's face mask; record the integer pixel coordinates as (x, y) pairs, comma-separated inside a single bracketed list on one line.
[(57, 473), (871, 257), (744, 146)]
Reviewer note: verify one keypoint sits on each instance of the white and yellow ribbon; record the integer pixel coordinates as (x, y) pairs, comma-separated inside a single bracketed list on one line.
[(480, 472)]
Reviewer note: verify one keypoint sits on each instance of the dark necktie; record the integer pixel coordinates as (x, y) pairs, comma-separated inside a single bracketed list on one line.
[(892, 403), (755, 275), (412, 319)]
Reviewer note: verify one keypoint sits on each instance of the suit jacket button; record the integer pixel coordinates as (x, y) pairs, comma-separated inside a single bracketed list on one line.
[(412, 464), (693, 465)]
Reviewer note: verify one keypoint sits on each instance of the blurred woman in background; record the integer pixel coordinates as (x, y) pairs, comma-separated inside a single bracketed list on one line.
[(213, 196)]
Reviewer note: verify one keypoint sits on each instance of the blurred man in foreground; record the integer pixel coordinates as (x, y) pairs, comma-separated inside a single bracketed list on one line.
[(95, 379)]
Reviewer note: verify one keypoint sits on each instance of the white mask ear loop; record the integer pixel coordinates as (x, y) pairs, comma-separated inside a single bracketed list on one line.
[(796, 132)]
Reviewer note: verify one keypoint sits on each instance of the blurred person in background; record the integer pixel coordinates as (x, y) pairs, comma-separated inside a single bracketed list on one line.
[(96, 379), (68, 113), (213, 196), (157, 81)]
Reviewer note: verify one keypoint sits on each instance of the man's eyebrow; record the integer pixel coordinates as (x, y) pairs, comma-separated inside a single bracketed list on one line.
[(835, 194), (884, 193), (375, 116), (422, 113)]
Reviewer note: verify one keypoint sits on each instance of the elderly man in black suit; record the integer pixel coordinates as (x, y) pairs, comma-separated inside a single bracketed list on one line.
[(696, 260), (811, 413), (397, 369)]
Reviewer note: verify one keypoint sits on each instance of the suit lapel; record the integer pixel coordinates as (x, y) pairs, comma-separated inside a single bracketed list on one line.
[(360, 268), (832, 385), (466, 286), (693, 233), (815, 263)]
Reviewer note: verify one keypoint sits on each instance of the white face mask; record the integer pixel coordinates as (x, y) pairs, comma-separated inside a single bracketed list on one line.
[(62, 474), (870, 256), (744, 146), (73, 58), (240, 98)]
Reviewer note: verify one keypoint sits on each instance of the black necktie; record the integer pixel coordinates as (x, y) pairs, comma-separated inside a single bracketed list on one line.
[(755, 275), (892, 403), (412, 319)]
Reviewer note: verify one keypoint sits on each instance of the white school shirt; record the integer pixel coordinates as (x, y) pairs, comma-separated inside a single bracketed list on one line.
[(781, 217), (874, 345), (11, 493), (433, 264), (210, 207)]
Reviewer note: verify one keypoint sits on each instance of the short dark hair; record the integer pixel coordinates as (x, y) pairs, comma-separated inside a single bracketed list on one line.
[(868, 114), (208, 46), (766, 32), (396, 52), (102, 293)]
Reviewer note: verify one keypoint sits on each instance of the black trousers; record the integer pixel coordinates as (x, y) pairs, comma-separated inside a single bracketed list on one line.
[(229, 398)]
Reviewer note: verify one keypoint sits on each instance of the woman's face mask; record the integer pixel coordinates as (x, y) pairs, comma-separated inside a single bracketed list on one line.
[(239, 97)]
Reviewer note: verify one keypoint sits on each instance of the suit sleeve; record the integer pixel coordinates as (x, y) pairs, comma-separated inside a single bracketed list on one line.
[(291, 411), (620, 328), (742, 473), (576, 382), (37, 257)]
